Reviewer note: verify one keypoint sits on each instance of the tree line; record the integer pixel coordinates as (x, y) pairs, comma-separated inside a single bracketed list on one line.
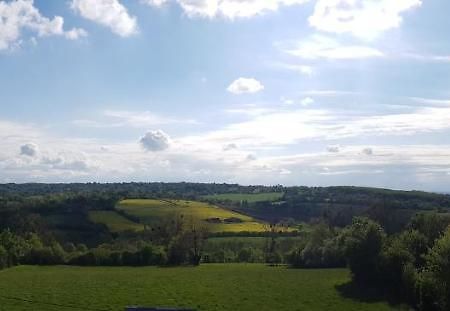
[(412, 266)]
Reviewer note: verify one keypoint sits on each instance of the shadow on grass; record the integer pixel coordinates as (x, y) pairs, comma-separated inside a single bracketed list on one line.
[(367, 294)]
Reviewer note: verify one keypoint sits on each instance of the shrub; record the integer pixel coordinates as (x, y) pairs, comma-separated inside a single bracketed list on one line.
[(438, 272), (363, 243), (3, 258), (274, 258), (245, 255), (394, 259)]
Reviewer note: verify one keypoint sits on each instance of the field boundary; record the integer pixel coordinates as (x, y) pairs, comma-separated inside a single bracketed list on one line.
[(51, 304)]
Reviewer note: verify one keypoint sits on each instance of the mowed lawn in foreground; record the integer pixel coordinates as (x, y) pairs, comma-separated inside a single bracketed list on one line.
[(154, 212), (208, 287)]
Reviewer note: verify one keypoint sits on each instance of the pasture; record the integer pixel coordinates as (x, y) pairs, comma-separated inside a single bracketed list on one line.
[(209, 287), (154, 212), (114, 221), (249, 197)]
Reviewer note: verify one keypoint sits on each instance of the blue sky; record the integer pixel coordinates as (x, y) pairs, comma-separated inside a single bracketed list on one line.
[(297, 92)]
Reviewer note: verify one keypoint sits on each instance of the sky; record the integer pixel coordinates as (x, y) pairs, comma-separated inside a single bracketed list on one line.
[(292, 92)]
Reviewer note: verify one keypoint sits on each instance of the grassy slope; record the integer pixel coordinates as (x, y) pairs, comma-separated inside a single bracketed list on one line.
[(153, 211), (251, 197), (114, 221), (209, 287)]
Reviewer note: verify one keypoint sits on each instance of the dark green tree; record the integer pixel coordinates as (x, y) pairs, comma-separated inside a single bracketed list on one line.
[(438, 271), (363, 244)]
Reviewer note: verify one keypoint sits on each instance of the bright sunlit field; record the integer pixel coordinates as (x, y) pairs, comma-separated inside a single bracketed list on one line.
[(114, 221), (155, 211)]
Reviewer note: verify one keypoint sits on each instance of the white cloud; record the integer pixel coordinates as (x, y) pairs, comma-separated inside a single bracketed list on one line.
[(19, 15), (287, 101), (47, 158), (427, 57), (156, 3), (302, 69), (75, 34), (67, 161), (362, 18), (249, 8), (132, 119), (250, 111), (245, 85), (284, 171), (325, 47), (155, 141), (109, 13), (367, 151), (431, 102), (286, 127), (228, 8), (329, 93), (334, 149), (230, 147), (307, 101), (251, 157), (202, 159), (30, 150)]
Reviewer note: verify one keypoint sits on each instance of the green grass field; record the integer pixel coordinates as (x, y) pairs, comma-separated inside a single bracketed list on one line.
[(249, 197), (155, 211), (114, 221), (208, 288)]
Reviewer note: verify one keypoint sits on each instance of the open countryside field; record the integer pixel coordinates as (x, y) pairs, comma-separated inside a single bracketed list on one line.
[(249, 197), (208, 287), (114, 221), (153, 212)]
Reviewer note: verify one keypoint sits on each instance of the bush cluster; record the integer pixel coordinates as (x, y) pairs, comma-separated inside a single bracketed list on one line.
[(413, 266)]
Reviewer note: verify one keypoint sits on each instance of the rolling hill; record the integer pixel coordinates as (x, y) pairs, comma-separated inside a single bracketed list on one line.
[(132, 214), (249, 197)]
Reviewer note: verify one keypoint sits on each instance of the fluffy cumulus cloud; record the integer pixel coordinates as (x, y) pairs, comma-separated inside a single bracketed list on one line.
[(229, 147), (245, 85), (75, 33), (367, 151), (29, 150), (156, 3), (251, 157), (362, 18), (155, 141), (67, 161), (307, 101), (109, 13), (334, 148), (227, 8), (20, 16), (318, 46)]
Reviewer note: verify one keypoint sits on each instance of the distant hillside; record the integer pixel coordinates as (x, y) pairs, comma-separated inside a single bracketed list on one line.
[(86, 213), (155, 212), (338, 205)]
